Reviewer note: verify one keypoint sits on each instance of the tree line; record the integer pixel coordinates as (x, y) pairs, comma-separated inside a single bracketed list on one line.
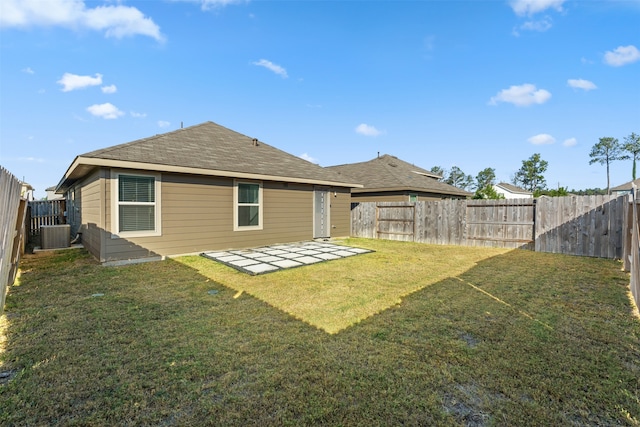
[(530, 176)]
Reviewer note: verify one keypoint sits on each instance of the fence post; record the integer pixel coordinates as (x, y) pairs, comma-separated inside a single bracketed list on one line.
[(534, 236), (627, 232), (634, 281)]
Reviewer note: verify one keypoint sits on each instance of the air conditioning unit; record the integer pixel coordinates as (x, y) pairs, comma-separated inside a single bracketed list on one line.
[(55, 236)]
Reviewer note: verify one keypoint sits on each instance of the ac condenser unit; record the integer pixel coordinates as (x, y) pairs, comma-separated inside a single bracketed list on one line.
[(55, 236)]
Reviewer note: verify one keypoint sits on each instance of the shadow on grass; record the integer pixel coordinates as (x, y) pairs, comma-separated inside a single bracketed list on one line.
[(336, 294), (158, 348)]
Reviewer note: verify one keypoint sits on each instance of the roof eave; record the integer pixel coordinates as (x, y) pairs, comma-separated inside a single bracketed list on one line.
[(422, 190), (82, 165)]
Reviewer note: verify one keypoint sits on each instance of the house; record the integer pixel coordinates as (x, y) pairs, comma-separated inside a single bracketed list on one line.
[(624, 188), (389, 179), (200, 188), (26, 191), (51, 193), (510, 191)]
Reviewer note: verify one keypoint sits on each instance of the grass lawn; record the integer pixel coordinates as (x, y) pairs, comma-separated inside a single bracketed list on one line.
[(411, 334)]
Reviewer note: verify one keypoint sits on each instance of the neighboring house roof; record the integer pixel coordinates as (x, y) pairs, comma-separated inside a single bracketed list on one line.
[(626, 186), (513, 189), (205, 149), (388, 173)]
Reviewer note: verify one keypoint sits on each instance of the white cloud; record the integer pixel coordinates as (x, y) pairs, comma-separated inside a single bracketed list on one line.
[(106, 111), (542, 139), (308, 158), (521, 96), (138, 115), (366, 130), (540, 25), (273, 67), (622, 55), (214, 4), (28, 70), (570, 142), (581, 84), (163, 124), (116, 21), (109, 89), (531, 7), (73, 81)]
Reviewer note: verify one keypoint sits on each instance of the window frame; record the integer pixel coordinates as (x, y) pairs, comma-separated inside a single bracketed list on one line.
[(236, 206), (115, 205)]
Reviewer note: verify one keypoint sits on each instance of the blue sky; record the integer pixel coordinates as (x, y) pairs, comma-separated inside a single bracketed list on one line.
[(473, 84)]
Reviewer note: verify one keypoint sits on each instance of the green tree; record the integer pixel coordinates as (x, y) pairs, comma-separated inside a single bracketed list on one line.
[(559, 192), (531, 175), (607, 150), (485, 180), (487, 192), (632, 146), (439, 171), (589, 192), (459, 179)]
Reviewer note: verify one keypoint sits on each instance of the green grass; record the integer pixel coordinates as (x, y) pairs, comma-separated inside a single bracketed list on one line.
[(503, 338), (335, 295)]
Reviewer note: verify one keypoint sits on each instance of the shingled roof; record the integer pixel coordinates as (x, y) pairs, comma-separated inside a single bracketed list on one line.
[(208, 149), (388, 173), (513, 189), (627, 185)]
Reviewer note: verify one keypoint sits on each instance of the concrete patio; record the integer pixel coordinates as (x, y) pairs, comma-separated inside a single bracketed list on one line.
[(268, 259)]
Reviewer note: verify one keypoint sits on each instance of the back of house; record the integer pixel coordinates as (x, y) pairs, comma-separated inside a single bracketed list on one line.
[(200, 188)]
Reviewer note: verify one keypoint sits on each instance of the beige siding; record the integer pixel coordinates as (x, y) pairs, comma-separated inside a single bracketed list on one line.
[(89, 200), (340, 212), (197, 216)]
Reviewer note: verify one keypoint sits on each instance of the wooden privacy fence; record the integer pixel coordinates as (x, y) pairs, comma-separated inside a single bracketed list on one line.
[(12, 230), (581, 225), (578, 225), (45, 212)]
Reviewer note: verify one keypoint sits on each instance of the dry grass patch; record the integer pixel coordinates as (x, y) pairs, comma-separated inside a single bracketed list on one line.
[(337, 294)]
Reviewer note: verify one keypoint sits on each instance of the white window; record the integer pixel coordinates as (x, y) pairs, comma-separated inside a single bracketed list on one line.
[(136, 205), (247, 202)]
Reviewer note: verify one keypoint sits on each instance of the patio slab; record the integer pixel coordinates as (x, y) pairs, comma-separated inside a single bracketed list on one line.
[(267, 259)]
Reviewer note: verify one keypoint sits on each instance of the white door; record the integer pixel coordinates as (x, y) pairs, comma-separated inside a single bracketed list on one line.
[(321, 207)]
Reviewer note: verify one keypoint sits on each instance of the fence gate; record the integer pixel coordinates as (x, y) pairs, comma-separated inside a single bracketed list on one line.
[(503, 223), (395, 221), (45, 212)]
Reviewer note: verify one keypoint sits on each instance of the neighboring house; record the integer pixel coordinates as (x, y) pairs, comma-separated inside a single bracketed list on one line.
[(625, 188), (389, 179), (510, 191), (197, 189), (26, 191), (51, 194)]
